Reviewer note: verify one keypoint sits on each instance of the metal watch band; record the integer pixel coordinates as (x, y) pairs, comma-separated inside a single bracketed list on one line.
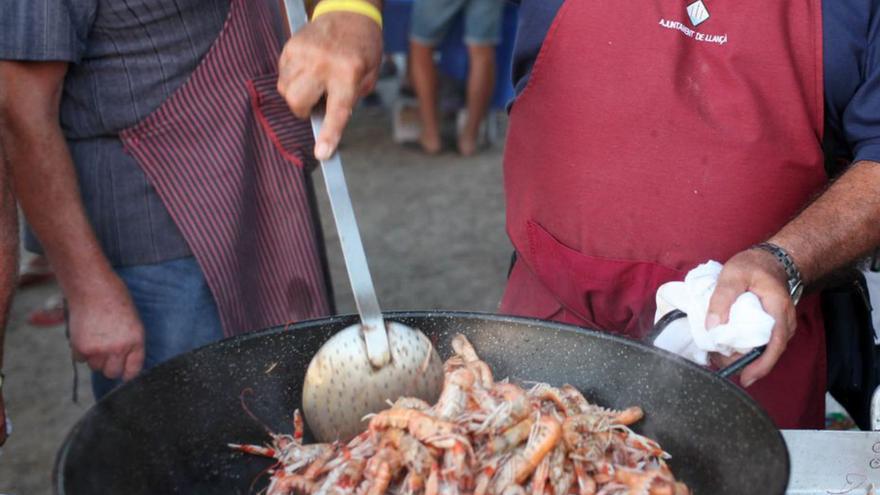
[(795, 284)]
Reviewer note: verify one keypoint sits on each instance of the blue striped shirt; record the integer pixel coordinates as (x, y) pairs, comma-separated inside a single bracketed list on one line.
[(126, 58)]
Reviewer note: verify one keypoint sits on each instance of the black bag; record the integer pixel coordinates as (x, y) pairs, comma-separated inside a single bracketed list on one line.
[(853, 363)]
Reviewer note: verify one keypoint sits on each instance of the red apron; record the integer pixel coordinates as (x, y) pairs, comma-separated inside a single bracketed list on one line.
[(227, 158), (648, 141)]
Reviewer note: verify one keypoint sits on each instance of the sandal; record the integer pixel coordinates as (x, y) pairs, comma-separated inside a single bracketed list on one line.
[(51, 314), (35, 272)]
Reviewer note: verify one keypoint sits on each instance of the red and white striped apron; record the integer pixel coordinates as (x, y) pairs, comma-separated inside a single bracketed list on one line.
[(229, 161), (653, 136)]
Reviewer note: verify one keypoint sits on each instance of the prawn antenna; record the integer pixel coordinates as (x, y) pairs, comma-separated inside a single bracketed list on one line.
[(250, 413)]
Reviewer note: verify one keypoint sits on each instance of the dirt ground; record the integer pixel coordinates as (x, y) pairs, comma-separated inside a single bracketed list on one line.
[(433, 228)]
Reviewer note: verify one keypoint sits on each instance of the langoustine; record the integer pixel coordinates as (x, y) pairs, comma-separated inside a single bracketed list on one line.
[(482, 437)]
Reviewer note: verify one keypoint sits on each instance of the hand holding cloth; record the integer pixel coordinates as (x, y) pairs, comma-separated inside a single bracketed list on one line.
[(748, 326)]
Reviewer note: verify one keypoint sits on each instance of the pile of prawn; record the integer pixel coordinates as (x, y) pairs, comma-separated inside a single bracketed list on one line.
[(481, 437)]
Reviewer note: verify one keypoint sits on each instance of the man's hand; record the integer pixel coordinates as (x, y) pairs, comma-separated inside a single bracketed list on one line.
[(105, 330), (756, 271), (337, 55)]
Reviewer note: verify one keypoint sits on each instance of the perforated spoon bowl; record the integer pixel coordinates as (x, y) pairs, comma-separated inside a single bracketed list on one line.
[(363, 367)]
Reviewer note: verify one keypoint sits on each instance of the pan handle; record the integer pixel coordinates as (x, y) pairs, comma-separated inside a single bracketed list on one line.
[(740, 364), (734, 369)]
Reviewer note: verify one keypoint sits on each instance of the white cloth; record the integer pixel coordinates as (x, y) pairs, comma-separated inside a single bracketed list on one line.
[(748, 326)]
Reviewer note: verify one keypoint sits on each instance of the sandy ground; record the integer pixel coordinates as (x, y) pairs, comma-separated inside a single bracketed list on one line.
[(433, 232), (38, 394)]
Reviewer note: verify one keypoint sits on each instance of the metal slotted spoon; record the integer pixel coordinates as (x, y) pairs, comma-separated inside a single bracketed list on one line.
[(364, 366)]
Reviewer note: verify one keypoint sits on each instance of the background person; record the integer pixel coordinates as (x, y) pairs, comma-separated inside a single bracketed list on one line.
[(151, 183), (430, 21)]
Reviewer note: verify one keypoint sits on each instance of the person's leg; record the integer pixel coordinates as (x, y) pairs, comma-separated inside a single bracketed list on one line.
[(482, 34), (424, 81), (480, 86), (430, 21), (176, 307)]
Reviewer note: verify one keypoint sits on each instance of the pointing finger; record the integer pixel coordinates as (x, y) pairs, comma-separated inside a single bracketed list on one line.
[(341, 99)]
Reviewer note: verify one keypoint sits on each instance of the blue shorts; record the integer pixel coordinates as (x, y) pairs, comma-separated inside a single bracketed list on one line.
[(176, 308), (431, 20)]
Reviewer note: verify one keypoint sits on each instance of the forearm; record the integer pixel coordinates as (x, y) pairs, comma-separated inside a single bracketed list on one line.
[(840, 227), (46, 185), (8, 249)]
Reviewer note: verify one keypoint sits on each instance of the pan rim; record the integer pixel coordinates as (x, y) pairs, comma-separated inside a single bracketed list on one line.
[(346, 319)]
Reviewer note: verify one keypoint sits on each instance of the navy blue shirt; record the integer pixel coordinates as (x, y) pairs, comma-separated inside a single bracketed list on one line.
[(851, 67)]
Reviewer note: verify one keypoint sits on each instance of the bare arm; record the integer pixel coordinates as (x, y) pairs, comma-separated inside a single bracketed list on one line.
[(840, 227), (105, 330), (8, 265)]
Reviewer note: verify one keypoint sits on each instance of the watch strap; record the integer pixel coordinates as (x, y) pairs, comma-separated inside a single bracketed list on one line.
[(787, 262)]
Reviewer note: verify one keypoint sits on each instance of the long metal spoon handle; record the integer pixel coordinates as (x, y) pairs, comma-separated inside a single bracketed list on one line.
[(373, 325)]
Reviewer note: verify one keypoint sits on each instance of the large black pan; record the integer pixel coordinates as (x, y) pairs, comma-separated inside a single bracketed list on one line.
[(166, 431)]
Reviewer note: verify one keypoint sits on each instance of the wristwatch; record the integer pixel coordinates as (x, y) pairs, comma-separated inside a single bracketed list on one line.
[(795, 284)]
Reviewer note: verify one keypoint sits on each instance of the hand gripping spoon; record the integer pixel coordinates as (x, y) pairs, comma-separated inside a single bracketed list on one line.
[(363, 366)]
